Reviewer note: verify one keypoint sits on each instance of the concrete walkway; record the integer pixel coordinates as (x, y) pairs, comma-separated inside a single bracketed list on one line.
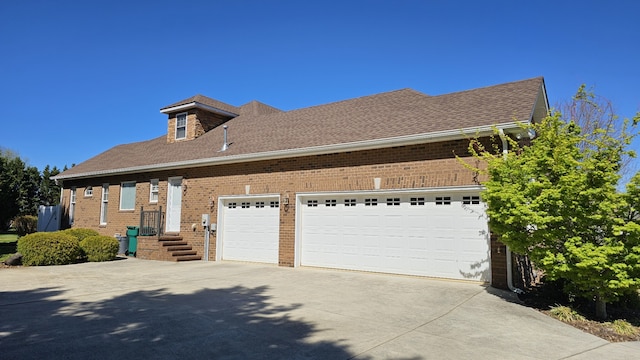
[(159, 310)]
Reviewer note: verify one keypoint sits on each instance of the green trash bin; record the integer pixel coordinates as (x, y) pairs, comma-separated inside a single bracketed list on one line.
[(132, 234)]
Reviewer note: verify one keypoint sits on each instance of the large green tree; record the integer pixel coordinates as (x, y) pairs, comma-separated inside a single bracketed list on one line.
[(555, 199), (23, 188)]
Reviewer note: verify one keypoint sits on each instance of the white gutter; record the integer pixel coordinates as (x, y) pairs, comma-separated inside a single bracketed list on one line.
[(505, 151), (299, 152), (196, 104)]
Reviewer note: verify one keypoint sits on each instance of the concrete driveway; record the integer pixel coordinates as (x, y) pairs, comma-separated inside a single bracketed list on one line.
[(223, 310)]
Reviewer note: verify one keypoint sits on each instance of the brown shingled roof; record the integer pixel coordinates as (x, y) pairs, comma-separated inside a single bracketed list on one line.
[(201, 99), (262, 129)]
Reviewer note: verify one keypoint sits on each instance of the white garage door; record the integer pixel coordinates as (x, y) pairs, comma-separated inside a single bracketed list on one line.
[(250, 229), (429, 234)]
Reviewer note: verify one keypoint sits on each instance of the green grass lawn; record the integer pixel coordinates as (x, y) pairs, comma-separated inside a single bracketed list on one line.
[(10, 237), (6, 248)]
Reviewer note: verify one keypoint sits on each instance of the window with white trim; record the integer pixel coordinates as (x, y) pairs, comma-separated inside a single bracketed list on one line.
[(417, 201), (331, 202), (312, 203), (181, 126), (259, 204), (128, 195), (393, 201), (274, 204), (105, 203), (443, 200), (153, 190), (88, 191), (72, 204), (471, 200), (349, 202), (245, 205), (370, 202), (231, 205)]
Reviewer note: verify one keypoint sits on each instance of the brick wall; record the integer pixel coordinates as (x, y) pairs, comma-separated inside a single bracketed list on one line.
[(405, 167)]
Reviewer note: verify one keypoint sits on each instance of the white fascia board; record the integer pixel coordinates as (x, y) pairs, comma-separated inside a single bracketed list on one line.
[(198, 105), (309, 151)]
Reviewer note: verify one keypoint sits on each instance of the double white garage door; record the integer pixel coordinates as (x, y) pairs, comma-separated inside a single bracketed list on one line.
[(435, 234)]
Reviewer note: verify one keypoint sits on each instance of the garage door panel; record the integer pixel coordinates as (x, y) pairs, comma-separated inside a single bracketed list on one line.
[(250, 230), (403, 233)]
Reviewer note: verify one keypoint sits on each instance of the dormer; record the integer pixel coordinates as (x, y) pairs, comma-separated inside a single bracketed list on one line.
[(192, 117)]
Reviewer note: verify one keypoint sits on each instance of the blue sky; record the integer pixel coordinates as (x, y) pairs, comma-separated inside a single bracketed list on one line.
[(79, 77)]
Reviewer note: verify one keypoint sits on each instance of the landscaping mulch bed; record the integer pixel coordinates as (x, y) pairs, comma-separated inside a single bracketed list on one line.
[(544, 297)]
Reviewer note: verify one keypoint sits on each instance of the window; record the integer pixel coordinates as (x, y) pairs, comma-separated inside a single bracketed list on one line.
[(246, 205), (181, 126), (259, 204), (312, 203), (231, 205), (370, 202), (274, 204), (72, 204), (329, 203), (471, 200), (88, 191), (153, 190), (393, 201), (417, 201), (443, 200), (349, 202), (128, 195), (105, 202)]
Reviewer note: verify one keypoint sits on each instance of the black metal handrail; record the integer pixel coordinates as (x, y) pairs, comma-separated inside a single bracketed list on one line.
[(151, 222)]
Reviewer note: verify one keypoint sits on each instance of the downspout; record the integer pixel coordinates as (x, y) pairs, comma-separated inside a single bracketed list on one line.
[(505, 151)]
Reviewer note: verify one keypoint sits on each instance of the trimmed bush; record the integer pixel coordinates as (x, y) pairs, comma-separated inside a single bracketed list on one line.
[(25, 224), (49, 248), (80, 233), (100, 248)]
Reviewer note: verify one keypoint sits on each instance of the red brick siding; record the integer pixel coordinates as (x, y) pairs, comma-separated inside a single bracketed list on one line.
[(405, 167)]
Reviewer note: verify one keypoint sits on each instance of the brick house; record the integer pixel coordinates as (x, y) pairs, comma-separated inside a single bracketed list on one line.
[(370, 183)]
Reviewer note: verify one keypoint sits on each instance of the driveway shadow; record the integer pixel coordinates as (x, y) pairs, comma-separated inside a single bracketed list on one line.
[(229, 323)]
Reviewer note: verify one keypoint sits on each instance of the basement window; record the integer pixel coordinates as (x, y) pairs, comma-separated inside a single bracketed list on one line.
[(330, 203), (349, 202), (417, 201), (370, 202), (312, 203), (443, 200), (471, 200)]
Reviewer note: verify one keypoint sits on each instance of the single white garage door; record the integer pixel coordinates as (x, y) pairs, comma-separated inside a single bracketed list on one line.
[(249, 230), (428, 234)]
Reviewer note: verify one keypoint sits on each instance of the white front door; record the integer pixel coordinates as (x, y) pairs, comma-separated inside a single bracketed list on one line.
[(174, 204)]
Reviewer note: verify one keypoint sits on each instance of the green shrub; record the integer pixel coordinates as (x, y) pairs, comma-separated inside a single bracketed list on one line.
[(100, 248), (623, 327), (25, 224), (49, 248), (80, 233), (565, 314)]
